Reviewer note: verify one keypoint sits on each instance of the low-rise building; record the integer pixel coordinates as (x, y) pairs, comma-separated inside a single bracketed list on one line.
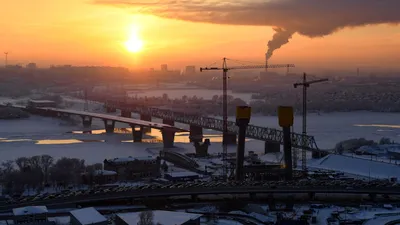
[(30, 214), (104, 177), (133, 168), (87, 216), (160, 217)]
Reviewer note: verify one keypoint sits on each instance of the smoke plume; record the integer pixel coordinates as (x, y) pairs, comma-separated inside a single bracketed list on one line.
[(280, 38), (312, 18)]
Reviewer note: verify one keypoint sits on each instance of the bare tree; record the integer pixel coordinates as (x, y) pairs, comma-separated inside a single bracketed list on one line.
[(8, 166), (46, 161), (146, 218), (22, 163), (67, 170)]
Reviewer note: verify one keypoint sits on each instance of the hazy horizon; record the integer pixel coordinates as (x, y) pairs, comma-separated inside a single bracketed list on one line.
[(337, 35)]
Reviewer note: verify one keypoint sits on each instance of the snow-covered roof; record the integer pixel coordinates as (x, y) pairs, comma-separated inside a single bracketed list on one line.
[(130, 159), (104, 172), (88, 216), (30, 210), (162, 217), (183, 174)]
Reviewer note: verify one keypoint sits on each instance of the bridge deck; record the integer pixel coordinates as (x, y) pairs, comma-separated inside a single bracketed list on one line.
[(154, 125)]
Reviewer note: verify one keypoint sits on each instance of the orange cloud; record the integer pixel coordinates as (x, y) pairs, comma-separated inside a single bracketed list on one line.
[(312, 18)]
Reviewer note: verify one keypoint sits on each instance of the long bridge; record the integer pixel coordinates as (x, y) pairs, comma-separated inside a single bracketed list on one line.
[(194, 192), (167, 131), (273, 138)]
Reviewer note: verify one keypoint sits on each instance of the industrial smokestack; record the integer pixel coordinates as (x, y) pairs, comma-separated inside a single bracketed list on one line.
[(266, 62)]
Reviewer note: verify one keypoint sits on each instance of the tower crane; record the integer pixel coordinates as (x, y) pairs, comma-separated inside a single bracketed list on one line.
[(225, 70), (306, 84)]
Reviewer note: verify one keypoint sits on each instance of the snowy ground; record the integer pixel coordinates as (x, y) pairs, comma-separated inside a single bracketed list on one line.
[(58, 138), (362, 167)]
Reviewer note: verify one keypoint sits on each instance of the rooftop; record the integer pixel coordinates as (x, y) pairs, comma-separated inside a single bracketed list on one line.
[(104, 172), (162, 217), (88, 216), (29, 210)]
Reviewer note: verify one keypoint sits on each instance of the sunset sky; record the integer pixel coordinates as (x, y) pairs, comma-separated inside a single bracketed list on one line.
[(89, 32)]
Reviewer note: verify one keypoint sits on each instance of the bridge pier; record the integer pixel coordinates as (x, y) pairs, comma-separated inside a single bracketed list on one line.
[(170, 122), (146, 117), (271, 147), (229, 138), (86, 121), (168, 137), (202, 149), (109, 126), (195, 133), (126, 113), (137, 133)]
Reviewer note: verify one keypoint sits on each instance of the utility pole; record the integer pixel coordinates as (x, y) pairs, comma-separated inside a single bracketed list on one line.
[(225, 70), (306, 84), (6, 59)]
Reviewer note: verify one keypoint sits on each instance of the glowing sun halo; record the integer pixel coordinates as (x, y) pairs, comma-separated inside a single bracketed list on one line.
[(134, 43)]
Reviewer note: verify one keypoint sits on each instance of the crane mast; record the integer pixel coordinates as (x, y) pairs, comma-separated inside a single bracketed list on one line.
[(305, 84), (225, 70)]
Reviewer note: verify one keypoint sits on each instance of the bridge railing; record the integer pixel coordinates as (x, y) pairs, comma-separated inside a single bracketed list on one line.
[(254, 132)]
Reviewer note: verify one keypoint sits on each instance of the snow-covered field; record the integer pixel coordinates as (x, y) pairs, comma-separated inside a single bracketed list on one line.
[(58, 138)]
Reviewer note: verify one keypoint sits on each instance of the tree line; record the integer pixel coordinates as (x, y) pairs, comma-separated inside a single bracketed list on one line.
[(38, 172)]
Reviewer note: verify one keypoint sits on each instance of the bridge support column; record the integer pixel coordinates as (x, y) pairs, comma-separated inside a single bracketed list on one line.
[(126, 113), (271, 147), (229, 139), (137, 133), (170, 122), (109, 125), (202, 149), (168, 138), (87, 121), (146, 117), (196, 133)]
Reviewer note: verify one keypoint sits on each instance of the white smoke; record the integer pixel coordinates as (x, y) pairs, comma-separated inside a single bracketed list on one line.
[(312, 18), (280, 38)]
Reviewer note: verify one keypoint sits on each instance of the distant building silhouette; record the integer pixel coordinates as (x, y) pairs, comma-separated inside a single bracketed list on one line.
[(31, 66), (190, 70), (164, 67)]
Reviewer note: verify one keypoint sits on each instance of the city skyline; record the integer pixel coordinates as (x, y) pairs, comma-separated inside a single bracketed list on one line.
[(98, 33)]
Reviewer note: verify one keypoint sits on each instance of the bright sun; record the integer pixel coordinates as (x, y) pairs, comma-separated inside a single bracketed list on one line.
[(134, 43)]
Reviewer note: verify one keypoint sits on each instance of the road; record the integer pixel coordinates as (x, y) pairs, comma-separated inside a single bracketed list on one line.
[(143, 123), (203, 191)]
